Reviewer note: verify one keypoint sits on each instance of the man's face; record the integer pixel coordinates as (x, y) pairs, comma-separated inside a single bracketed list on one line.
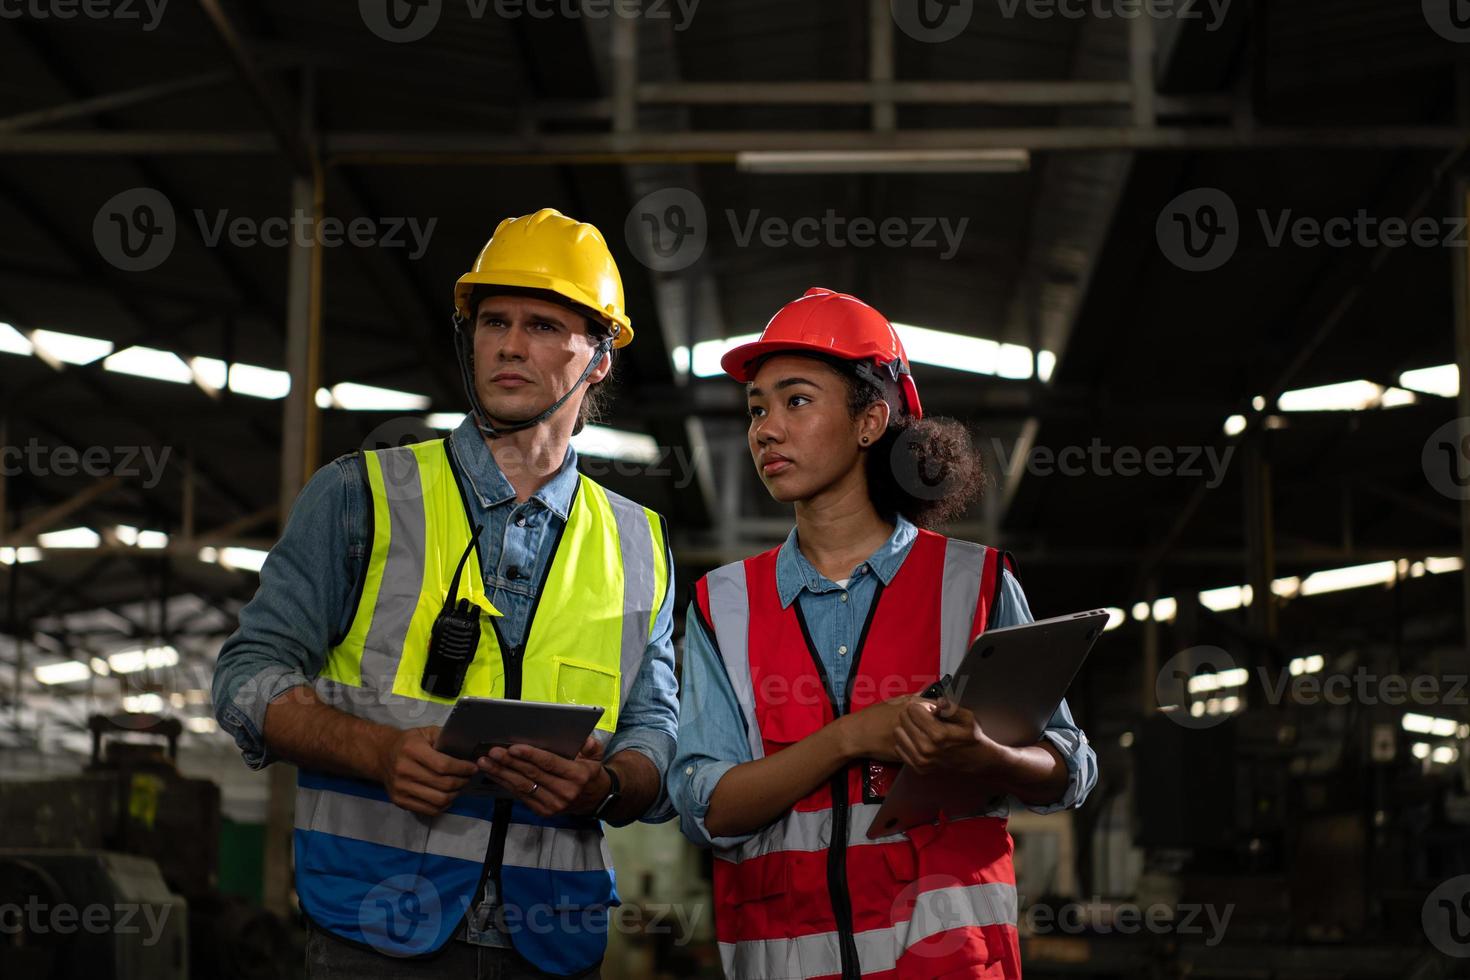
[(529, 353)]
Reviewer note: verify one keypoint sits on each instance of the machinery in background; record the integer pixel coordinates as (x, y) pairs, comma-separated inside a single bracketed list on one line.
[(94, 914), (129, 825), (1319, 827)]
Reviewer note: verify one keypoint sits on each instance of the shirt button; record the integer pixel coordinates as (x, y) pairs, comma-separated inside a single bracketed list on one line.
[(520, 522), (688, 770), (513, 572), (844, 597), (842, 651)]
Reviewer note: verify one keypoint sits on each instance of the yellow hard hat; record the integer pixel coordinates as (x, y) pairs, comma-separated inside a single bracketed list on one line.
[(547, 250)]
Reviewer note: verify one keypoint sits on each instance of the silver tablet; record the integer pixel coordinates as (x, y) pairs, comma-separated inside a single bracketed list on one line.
[(1013, 679), (476, 725)]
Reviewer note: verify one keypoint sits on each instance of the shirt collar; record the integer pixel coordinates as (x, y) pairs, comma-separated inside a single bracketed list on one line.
[(491, 487), (794, 572)]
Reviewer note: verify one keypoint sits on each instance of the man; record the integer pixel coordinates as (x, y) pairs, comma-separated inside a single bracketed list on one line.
[(364, 632)]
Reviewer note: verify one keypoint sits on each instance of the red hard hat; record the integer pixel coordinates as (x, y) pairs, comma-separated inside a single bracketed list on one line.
[(835, 324)]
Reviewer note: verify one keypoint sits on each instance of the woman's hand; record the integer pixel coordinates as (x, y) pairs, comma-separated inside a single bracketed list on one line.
[(872, 732), (941, 735)]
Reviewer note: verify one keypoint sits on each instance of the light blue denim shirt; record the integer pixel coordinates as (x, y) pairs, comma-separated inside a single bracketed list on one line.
[(712, 737), (307, 598)]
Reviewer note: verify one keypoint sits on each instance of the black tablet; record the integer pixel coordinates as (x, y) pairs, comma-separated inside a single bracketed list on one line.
[(476, 725), (1013, 679)]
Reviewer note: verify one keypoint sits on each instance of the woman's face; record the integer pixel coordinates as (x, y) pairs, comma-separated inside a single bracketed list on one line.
[(801, 436)]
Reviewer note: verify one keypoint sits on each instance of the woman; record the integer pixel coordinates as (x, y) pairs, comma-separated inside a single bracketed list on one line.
[(801, 666)]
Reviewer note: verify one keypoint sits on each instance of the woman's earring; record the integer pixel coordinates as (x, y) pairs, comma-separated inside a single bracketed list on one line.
[(865, 440)]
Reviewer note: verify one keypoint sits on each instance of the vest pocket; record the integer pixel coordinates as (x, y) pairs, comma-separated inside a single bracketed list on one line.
[(579, 682)]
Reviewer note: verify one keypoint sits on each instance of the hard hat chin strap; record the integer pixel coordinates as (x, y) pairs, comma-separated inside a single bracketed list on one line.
[(464, 353)]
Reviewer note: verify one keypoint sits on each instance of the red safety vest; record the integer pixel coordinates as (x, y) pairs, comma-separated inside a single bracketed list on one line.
[(810, 895)]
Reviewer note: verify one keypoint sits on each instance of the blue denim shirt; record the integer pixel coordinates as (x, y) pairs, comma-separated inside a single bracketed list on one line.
[(712, 730), (305, 601)]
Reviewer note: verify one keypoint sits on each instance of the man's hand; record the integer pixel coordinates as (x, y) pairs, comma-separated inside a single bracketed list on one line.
[(941, 735), (546, 782), (417, 776)]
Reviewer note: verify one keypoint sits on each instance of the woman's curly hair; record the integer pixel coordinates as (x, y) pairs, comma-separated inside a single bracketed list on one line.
[(925, 469)]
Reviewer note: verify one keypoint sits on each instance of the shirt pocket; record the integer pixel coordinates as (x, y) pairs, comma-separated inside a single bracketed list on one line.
[(580, 682)]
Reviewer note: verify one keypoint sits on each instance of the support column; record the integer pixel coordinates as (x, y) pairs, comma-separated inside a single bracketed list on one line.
[(880, 63), (1462, 361), (300, 455), (1141, 70), (1260, 538)]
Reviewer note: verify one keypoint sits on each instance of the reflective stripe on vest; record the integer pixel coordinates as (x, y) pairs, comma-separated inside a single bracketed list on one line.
[(935, 935), (375, 873), (780, 910)]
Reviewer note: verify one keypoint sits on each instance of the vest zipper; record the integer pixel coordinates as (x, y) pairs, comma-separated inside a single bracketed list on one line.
[(511, 658), (837, 877), (837, 851)]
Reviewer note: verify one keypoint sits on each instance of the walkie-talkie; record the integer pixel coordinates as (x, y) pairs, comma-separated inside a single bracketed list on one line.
[(454, 637)]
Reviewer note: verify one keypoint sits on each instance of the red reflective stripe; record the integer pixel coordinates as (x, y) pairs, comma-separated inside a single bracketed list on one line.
[(701, 598), (971, 852)]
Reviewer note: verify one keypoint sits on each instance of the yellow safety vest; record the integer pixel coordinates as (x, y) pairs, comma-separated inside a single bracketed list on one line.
[(375, 873)]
